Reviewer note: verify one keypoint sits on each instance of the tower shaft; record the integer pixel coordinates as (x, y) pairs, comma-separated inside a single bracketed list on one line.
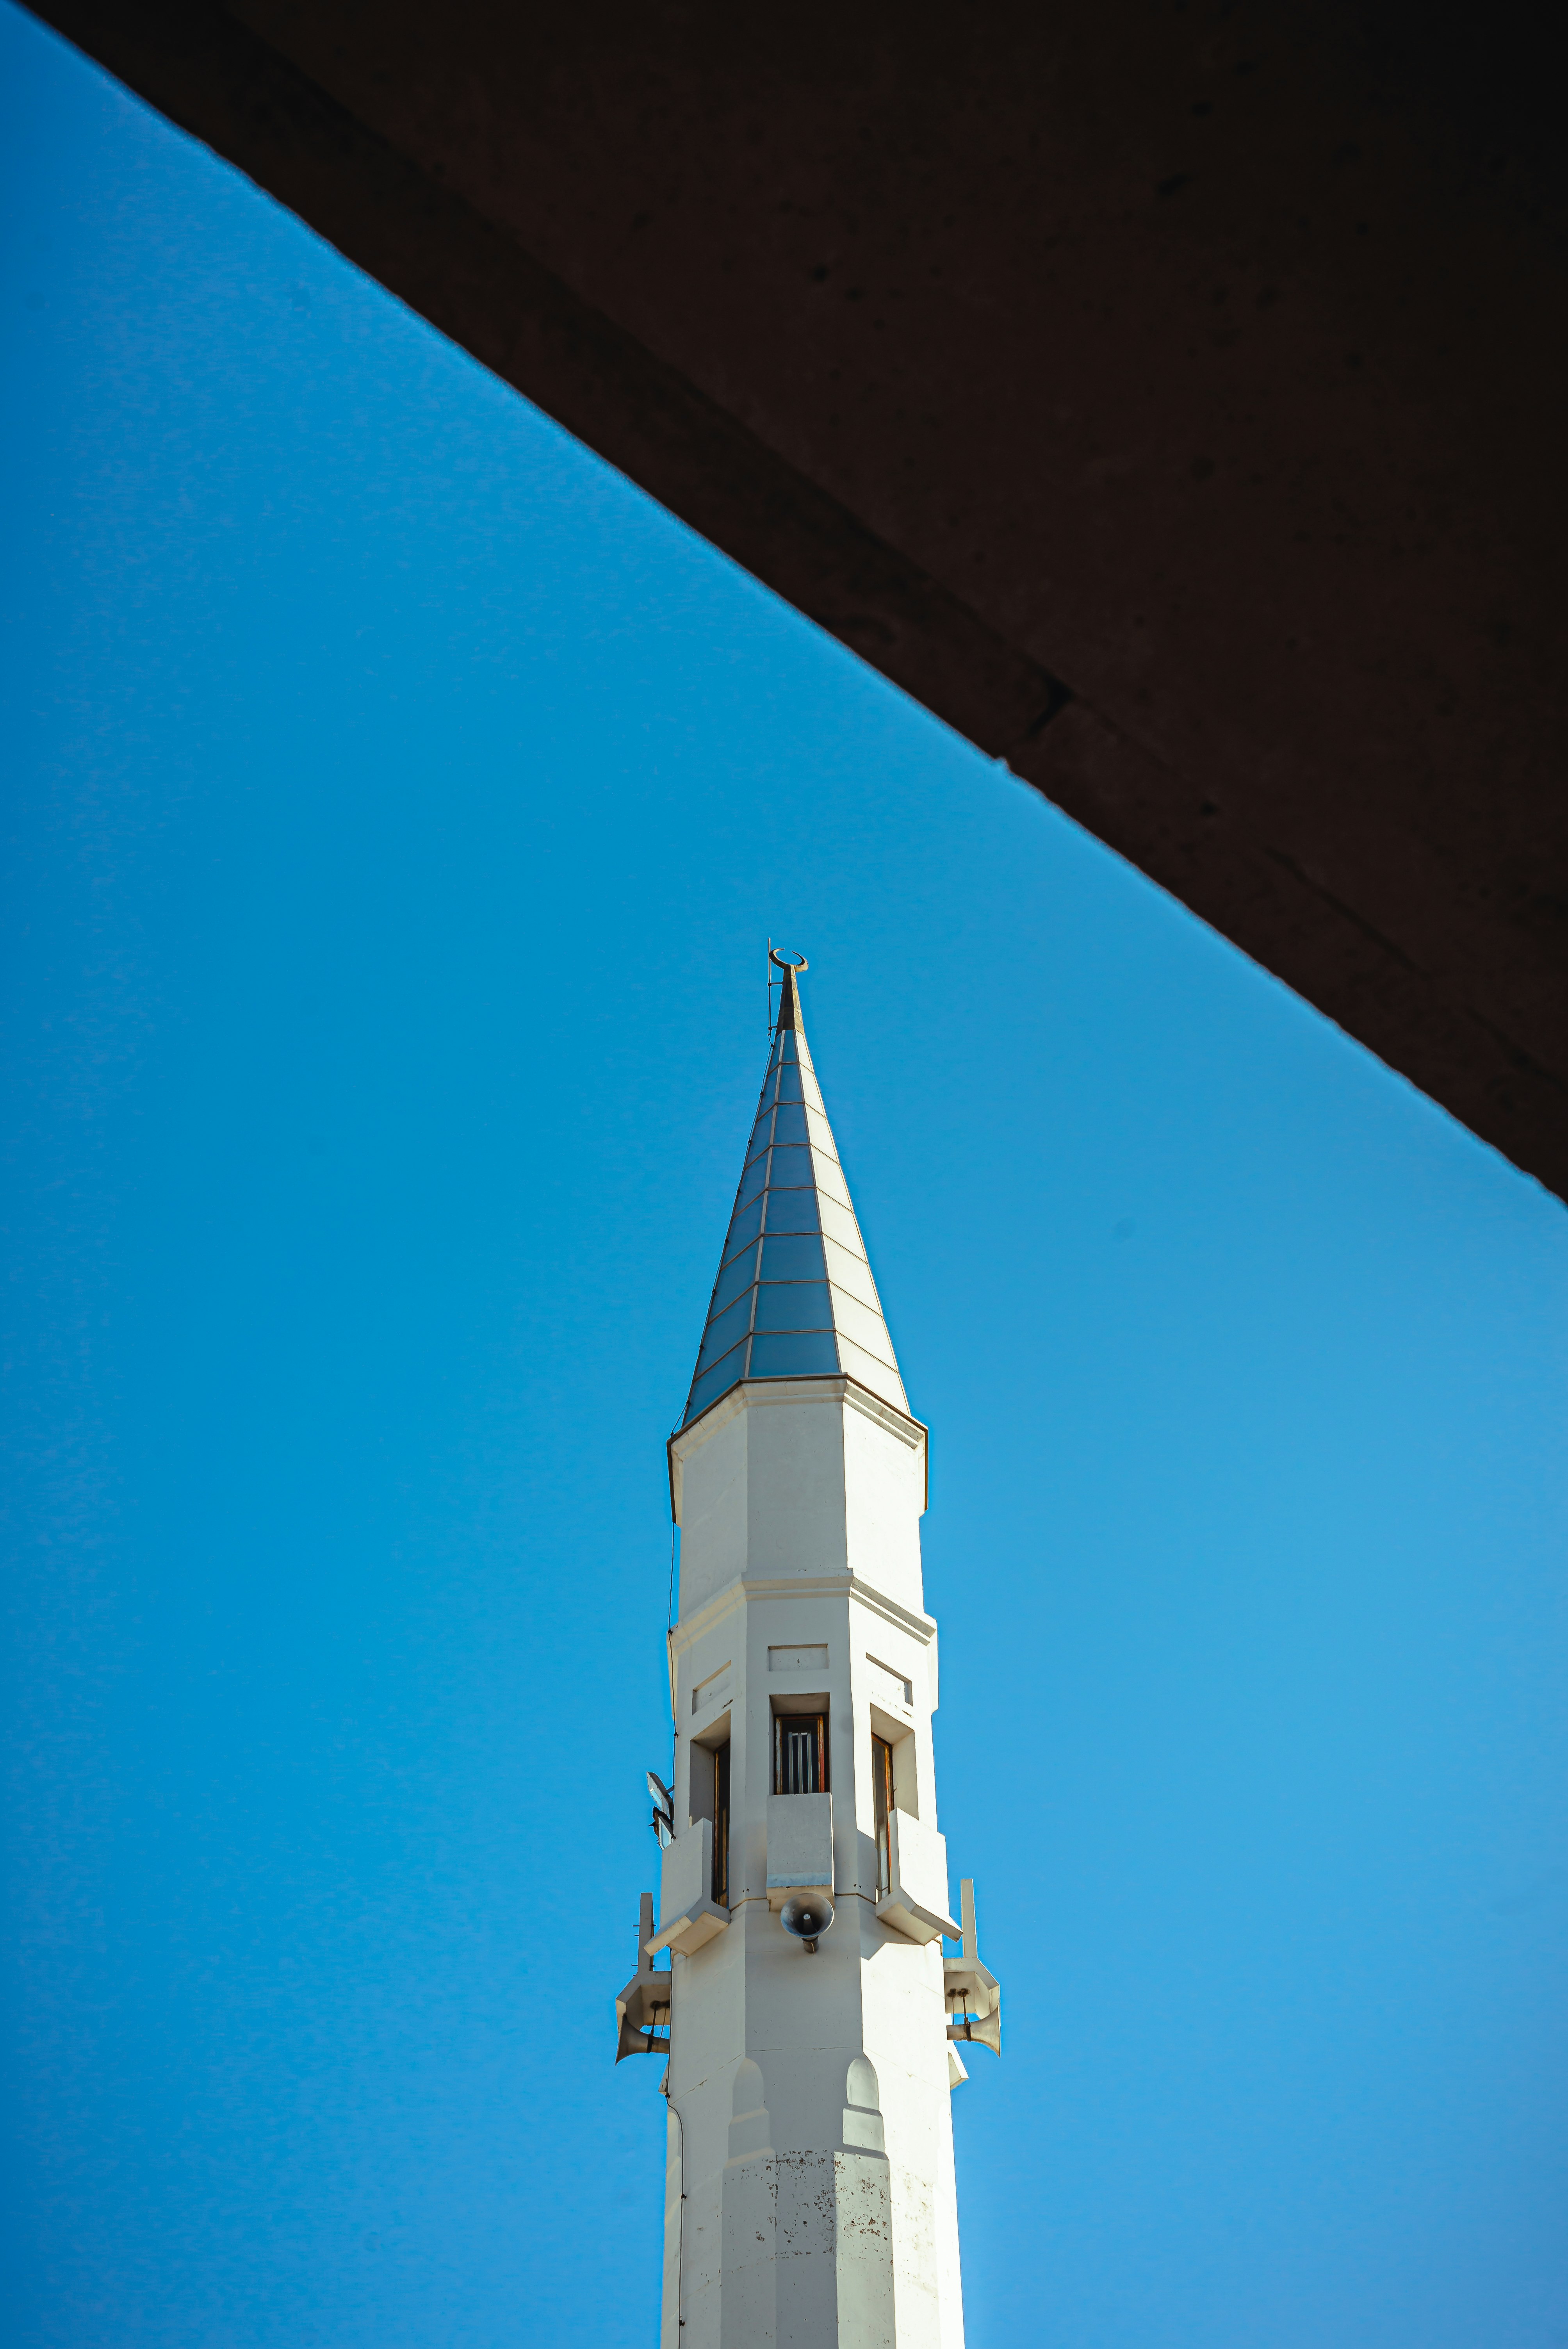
[(811, 2133)]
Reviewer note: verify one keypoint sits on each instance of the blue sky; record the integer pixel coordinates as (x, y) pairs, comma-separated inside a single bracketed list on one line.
[(396, 806)]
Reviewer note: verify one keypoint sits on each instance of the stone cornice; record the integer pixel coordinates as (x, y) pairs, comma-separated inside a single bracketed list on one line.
[(737, 1594)]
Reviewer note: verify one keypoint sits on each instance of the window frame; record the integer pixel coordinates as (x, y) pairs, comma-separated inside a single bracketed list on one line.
[(882, 1803), (782, 1723), (720, 1894)]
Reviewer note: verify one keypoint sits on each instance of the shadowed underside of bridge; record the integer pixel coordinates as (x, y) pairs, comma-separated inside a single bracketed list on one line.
[(1171, 397)]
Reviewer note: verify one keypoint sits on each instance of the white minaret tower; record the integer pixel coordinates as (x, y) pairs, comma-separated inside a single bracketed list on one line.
[(809, 2196)]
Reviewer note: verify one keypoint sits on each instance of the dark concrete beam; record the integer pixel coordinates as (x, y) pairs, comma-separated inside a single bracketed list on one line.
[(1170, 397)]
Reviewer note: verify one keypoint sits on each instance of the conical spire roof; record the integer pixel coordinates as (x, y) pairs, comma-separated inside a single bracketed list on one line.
[(794, 1297)]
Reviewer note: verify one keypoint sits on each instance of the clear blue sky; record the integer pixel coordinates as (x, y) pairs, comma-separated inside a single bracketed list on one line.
[(396, 807)]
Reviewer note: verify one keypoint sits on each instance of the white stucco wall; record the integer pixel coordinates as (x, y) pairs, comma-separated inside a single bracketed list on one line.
[(799, 1505)]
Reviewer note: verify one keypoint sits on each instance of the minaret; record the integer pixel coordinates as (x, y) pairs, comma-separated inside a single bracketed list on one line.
[(812, 2019)]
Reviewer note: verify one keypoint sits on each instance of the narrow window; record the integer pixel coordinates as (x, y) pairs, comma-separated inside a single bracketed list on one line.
[(882, 1803), (721, 1825), (800, 1753)]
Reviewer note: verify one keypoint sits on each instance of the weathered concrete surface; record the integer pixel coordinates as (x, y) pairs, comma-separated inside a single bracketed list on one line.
[(1168, 395)]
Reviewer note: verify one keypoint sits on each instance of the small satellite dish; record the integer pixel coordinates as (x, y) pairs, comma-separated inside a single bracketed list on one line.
[(805, 1915)]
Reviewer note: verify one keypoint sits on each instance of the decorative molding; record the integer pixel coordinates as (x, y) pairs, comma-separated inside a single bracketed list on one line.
[(736, 1594)]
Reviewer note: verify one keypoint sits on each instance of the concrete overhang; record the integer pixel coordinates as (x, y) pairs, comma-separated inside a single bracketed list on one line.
[(1169, 398)]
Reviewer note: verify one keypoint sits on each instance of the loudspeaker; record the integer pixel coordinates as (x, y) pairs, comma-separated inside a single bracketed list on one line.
[(988, 2031), (806, 1915)]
